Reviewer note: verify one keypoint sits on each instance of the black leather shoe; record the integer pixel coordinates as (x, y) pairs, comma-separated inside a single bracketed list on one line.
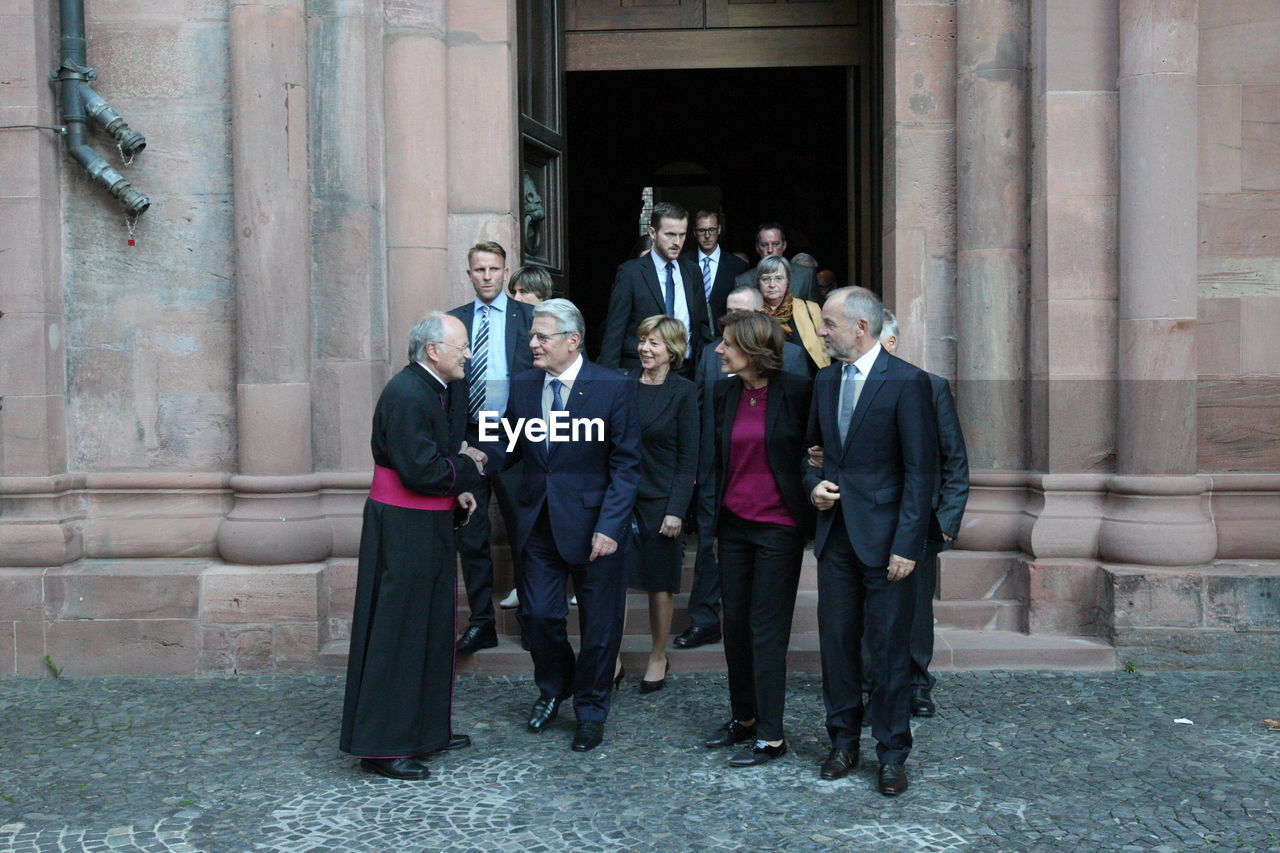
[(654, 686), (476, 638), (588, 735), (892, 779), (455, 742), (396, 768), (730, 733), (761, 753), (697, 636), (543, 712), (922, 703), (839, 762)]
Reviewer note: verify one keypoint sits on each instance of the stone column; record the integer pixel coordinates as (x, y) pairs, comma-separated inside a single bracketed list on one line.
[(417, 165), (276, 516), (919, 178), (35, 508), (991, 228), (1156, 366), (347, 255)]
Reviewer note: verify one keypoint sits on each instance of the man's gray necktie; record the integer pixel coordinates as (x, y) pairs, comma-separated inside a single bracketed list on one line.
[(706, 278), (557, 403), (849, 389)]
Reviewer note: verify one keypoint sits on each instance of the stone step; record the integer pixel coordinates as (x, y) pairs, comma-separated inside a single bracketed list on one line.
[(988, 615), (979, 576), (954, 650)]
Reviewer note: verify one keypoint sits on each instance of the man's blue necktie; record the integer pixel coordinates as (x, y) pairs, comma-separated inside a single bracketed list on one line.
[(706, 278), (671, 289), (556, 401)]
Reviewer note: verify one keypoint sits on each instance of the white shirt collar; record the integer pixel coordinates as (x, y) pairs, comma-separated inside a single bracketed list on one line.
[(714, 256), (570, 373), (434, 375), (498, 304), (867, 359)]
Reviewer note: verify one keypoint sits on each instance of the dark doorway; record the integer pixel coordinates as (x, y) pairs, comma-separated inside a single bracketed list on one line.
[(766, 144)]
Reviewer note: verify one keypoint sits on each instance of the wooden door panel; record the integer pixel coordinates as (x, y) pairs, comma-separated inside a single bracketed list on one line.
[(781, 13), (634, 14)]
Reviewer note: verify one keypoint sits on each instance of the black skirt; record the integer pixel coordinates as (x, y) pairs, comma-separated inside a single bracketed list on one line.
[(655, 562)]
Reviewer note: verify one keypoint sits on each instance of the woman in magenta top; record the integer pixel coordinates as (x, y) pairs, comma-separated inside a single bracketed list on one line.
[(763, 520)]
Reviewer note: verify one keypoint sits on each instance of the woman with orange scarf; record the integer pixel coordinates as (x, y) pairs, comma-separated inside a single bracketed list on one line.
[(799, 318)]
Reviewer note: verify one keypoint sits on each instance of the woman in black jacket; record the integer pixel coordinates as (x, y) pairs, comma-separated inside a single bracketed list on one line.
[(668, 407), (763, 520)]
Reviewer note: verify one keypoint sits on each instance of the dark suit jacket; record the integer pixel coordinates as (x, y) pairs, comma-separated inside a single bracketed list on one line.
[(887, 466), (519, 317), (729, 268), (669, 449), (707, 377), (587, 486), (802, 282), (951, 492), (785, 421), (637, 294)]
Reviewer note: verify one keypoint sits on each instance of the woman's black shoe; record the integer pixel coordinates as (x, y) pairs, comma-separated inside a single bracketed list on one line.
[(654, 686), (761, 753)]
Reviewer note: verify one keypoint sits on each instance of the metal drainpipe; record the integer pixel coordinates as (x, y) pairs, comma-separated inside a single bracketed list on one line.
[(80, 103)]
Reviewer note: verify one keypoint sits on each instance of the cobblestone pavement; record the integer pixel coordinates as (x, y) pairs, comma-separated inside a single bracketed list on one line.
[(1013, 761)]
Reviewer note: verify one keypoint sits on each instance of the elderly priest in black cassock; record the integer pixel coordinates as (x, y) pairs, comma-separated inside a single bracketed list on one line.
[(400, 670)]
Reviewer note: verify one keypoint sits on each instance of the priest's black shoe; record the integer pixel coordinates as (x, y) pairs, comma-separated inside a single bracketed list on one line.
[(697, 636), (838, 764), (730, 733), (396, 768), (455, 742), (544, 711), (892, 779), (922, 703), (476, 638), (588, 735), (761, 753)]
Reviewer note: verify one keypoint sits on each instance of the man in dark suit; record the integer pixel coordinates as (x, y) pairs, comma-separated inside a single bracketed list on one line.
[(704, 595), (573, 515), (499, 328), (950, 494), (772, 240), (717, 267), (873, 414), (660, 282)]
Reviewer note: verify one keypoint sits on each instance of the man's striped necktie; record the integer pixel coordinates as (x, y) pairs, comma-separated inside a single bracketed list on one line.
[(479, 364)]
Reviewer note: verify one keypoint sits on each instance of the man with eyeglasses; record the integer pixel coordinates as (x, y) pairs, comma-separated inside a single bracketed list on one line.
[(658, 282), (717, 267), (399, 692), (499, 329), (573, 517), (772, 240)]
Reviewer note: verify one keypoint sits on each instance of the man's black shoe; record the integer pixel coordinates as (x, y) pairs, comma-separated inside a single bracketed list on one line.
[(455, 742), (588, 735), (761, 753), (543, 712), (922, 703), (396, 768), (839, 762), (730, 733), (476, 638), (892, 779), (697, 636)]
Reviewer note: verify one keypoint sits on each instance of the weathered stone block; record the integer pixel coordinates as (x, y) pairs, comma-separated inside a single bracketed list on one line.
[(287, 593), (1198, 648), (1259, 343), (1080, 45), (1235, 425), (1137, 599), (235, 648), (1082, 154), (1218, 146), (123, 646), (1243, 601), (94, 589), (1218, 336), (294, 646), (21, 595)]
